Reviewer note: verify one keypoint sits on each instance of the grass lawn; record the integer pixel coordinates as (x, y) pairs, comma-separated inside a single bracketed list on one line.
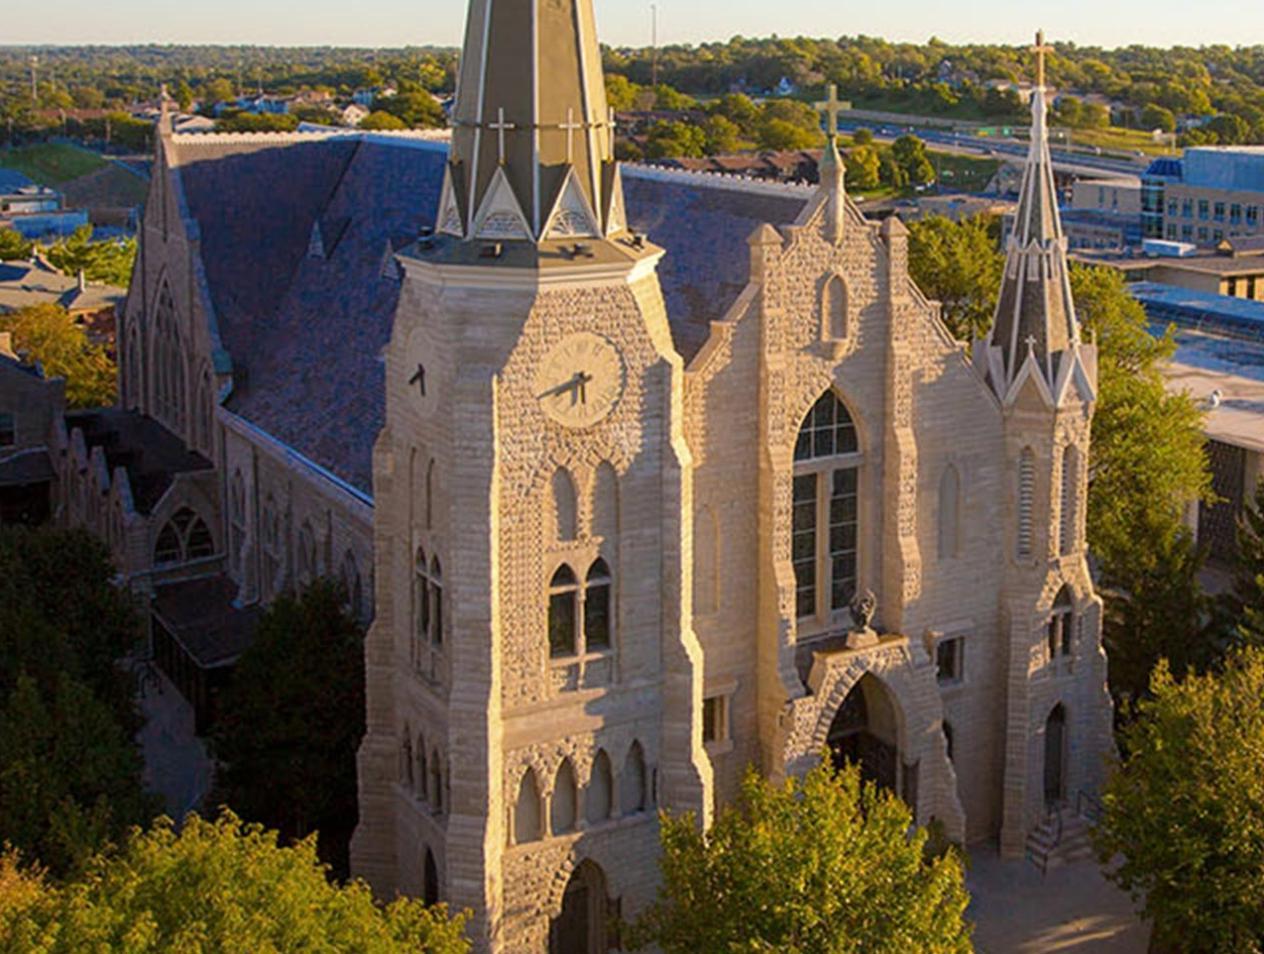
[(1117, 139), (963, 173), (51, 163)]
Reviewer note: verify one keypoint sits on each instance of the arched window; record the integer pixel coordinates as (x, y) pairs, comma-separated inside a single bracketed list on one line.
[(205, 412), (526, 820), (436, 602), (599, 797), (1026, 503), (948, 739), (1062, 624), (562, 813), (169, 370), (430, 492), (596, 633), (563, 605), (430, 880), (632, 796), (308, 561), (421, 605), (437, 800), (236, 521), (406, 776), (834, 309), (605, 510), (564, 506), (1068, 535), (271, 533), (422, 777), (949, 513), (826, 511), (183, 538), (352, 587)]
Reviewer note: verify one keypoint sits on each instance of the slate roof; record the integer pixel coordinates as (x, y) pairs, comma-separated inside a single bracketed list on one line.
[(204, 617), (306, 331)]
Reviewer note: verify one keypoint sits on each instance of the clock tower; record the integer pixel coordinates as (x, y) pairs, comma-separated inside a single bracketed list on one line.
[(534, 684)]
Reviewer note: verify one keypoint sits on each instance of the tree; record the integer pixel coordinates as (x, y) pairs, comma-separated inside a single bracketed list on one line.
[(13, 247), (218, 90), (1243, 606), (863, 137), (109, 261), (1186, 810), (184, 95), (292, 719), (788, 124), (818, 864), (958, 264), (864, 168), (891, 173), (417, 109), (740, 109), (723, 136), (671, 100), (238, 121), (910, 153), (48, 334), (1155, 116), (675, 140), (381, 120), (1068, 112), (621, 93), (214, 886), (1229, 129)]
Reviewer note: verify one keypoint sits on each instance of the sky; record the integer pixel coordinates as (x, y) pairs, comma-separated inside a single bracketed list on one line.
[(375, 23)]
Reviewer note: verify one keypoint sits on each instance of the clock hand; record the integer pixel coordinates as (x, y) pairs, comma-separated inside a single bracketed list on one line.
[(562, 388)]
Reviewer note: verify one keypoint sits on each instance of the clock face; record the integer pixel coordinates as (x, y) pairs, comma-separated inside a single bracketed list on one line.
[(420, 379), (580, 380)]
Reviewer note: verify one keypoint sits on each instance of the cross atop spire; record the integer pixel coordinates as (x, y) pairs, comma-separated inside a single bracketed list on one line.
[(1041, 49), (830, 108)]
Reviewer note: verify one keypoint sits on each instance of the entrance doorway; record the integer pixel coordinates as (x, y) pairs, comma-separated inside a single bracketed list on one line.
[(583, 926), (1055, 757), (865, 732)]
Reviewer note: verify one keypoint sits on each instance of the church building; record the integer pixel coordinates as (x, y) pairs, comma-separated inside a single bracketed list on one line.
[(640, 476)]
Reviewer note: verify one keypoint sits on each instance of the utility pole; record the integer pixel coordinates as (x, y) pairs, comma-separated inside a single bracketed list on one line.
[(654, 45)]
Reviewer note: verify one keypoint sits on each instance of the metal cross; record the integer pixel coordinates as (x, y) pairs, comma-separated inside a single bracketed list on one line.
[(501, 128), (1040, 49), (831, 107), (570, 127), (419, 379)]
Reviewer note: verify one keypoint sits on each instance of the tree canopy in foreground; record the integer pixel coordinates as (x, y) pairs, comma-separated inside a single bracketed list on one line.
[(1186, 810), (47, 333), (213, 886), (817, 865)]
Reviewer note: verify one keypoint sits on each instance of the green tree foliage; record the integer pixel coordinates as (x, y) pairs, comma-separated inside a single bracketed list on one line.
[(1186, 810), (46, 333), (1243, 606), (864, 168), (958, 264), (183, 94), (739, 109), (910, 153), (381, 120), (1155, 116), (109, 261), (1228, 129), (675, 140), (788, 124), (723, 136), (292, 719), (621, 93), (417, 109), (69, 771), (240, 121), (217, 90), (818, 864), (862, 137), (665, 97), (214, 886), (13, 246)]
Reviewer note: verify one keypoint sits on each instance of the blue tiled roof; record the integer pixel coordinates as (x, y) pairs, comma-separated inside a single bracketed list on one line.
[(306, 333), (11, 180), (1165, 167)]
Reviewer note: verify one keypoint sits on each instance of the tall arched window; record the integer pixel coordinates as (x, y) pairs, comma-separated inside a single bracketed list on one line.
[(437, 799), (1026, 503), (430, 880), (526, 819), (406, 776), (271, 533), (422, 776), (597, 604), (605, 509), (563, 605), (834, 309), (632, 795), (169, 365), (185, 537), (436, 602), (562, 811), (308, 560), (205, 413), (826, 511), (430, 492), (949, 513), (352, 587), (1068, 535), (599, 797), (421, 606), (1062, 624), (236, 521), (564, 506)]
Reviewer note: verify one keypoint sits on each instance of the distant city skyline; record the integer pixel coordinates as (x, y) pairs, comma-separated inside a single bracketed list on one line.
[(393, 23)]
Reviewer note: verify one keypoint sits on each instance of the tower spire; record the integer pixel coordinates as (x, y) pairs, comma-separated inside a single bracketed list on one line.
[(1035, 316), (533, 139)]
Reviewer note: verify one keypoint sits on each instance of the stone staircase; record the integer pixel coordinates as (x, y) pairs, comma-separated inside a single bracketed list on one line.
[(1062, 839)]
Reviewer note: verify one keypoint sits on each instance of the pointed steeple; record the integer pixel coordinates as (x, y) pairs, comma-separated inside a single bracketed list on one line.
[(1035, 316), (533, 137)]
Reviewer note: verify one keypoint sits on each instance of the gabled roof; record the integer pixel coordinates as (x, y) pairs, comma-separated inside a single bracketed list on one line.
[(306, 333)]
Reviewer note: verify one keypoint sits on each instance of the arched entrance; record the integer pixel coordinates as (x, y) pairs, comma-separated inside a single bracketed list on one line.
[(865, 731), (1055, 756), (583, 925), (430, 880)]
